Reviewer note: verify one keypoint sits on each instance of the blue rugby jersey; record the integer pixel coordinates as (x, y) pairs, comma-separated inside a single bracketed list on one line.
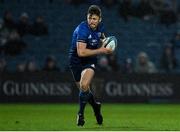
[(83, 33)]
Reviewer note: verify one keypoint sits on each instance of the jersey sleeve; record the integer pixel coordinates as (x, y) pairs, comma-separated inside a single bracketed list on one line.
[(82, 34)]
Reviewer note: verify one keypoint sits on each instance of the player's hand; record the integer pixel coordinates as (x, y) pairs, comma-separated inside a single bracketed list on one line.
[(104, 50), (108, 51)]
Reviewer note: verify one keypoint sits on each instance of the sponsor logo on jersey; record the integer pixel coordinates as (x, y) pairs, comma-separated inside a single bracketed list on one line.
[(89, 37), (94, 41)]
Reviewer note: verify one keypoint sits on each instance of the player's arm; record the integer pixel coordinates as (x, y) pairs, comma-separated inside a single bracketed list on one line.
[(84, 52)]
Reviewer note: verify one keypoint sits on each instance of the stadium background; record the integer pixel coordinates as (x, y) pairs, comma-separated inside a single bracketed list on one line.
[(24, 76)]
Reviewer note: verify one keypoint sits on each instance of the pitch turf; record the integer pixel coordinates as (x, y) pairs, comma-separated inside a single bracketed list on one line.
[(125, 117)]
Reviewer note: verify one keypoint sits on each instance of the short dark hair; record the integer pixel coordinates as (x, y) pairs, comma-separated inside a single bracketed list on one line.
[(94, 9)]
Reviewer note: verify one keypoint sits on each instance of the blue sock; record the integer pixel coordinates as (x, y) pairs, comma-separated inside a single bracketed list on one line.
[(83, 98), (91, 100)]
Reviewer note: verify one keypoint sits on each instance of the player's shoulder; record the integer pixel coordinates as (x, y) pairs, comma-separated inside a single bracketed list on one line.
[(82, 28), (83, 25), (82, 31)]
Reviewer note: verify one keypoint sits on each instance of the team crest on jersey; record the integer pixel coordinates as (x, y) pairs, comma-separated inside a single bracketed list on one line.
[(99, 34)]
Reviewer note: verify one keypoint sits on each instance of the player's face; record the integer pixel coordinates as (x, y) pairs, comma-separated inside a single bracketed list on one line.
[(93, 21)]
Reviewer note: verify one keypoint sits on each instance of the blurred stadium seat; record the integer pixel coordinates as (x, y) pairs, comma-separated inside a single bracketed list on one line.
[(133, 37)]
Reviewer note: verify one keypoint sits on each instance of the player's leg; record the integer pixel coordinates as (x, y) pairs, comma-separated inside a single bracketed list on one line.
[(83, 79), (83, 82), (76, 72), (86, 78), (96, 108)]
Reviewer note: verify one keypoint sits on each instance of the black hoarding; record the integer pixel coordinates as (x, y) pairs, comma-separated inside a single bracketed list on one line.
[(111, 87), (37, 87)]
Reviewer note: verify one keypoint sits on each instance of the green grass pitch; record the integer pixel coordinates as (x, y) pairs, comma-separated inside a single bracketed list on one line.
[(125, 117)]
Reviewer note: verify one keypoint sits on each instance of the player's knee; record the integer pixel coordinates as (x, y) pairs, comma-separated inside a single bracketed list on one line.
[(84, 86)]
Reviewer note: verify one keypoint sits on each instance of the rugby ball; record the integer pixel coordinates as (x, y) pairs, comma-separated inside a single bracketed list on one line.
[(110, 42)]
